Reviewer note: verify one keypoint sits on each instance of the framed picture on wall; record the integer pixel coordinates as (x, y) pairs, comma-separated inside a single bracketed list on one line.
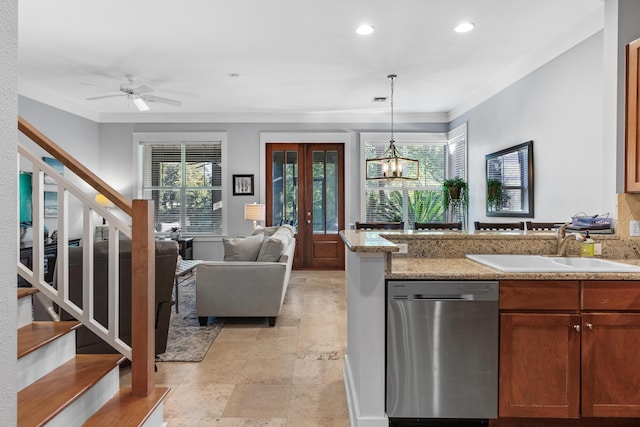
[(56, 165), (243, 185), (50, 204)]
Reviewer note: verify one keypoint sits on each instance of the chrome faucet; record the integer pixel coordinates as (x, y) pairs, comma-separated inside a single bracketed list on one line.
[(563, 238)]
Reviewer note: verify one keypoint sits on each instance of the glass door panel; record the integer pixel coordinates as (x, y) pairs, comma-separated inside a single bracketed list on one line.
[(284, 179)]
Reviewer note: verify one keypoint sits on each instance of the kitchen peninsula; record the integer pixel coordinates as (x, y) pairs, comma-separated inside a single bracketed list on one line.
[(373, 257)]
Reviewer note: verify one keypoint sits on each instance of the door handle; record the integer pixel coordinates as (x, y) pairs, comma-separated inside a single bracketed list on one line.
[(576, 327)]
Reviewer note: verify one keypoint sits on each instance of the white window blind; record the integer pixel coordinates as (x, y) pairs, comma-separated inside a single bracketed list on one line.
[(185, 182), (408, 201), (440, 156)]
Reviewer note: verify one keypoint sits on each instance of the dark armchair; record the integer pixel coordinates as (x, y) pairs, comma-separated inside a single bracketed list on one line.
[(166, 259)]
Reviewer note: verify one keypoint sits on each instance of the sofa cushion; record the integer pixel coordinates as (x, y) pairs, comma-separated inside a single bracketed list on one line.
[(265, 231), (242, 248), (273, 247)]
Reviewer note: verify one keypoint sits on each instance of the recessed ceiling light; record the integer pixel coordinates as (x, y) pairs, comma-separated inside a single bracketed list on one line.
[(464, 27), (365, 29)]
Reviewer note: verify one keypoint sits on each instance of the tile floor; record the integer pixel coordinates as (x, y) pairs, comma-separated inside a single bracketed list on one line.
[(290, 375)]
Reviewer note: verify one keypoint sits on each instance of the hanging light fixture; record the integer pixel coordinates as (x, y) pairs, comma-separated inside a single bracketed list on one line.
[(392, 166)]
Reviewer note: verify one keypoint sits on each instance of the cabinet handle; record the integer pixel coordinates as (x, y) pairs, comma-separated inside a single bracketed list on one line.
[(576, 327), (590, 326)]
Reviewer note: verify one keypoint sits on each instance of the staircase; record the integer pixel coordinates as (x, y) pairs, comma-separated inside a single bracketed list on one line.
[(58, 387), (61, 388)]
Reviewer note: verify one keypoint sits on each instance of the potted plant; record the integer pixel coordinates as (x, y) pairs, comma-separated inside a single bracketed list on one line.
[(455, 193), (495, 194)]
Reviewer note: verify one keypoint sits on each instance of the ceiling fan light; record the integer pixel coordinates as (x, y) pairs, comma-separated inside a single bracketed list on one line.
[(142, 106)]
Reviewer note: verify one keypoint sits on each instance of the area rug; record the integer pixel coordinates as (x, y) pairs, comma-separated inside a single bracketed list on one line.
[(187, 340)]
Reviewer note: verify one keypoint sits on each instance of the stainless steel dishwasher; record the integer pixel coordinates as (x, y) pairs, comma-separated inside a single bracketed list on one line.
[(442, 349)]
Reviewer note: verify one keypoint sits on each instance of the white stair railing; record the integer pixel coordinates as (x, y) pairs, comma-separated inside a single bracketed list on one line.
[(60, 294)]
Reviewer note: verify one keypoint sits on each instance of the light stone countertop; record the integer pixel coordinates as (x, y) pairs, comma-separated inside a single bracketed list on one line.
[(369, 241), (465, 269), (459, 268)]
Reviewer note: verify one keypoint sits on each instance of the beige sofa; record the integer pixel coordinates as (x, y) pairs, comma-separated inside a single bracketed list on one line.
[(252, 279)]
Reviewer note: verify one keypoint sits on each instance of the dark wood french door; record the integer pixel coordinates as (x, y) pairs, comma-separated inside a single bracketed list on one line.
[(305, 188)]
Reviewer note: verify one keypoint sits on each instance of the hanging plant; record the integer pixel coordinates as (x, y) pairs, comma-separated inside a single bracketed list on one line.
[(455, 193), (495, 194)]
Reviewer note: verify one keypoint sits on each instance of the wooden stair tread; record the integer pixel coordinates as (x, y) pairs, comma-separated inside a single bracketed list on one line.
[(41, 401), (25, 292), (124, 409), (36, 334)]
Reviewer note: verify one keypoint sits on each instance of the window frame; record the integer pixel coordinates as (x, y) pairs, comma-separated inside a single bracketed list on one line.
[(380, 138), (526, 184), (179, 138)]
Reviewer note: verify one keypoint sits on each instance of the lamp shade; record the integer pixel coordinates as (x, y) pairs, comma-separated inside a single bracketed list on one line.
[(254, 212), (103, 201)]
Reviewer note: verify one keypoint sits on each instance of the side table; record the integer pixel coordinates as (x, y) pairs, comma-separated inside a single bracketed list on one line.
[(185, 267), (185, 247)]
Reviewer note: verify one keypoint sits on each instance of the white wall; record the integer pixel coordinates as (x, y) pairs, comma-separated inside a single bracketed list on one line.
[(9, 217), (560, 107)]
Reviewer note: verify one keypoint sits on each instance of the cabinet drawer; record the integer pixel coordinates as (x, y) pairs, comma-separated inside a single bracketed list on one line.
[(611, 295), (539, 295)]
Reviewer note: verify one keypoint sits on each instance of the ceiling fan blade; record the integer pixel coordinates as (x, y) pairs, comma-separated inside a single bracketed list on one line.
[(140, 104), (104, 96), (142, 89), (153, 98)]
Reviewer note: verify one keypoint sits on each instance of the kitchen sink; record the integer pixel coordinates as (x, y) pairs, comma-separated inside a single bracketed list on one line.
[(540, 263)]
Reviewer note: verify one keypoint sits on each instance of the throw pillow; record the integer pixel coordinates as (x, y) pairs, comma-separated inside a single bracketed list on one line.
[(266, 231), (273, 247), (242, 249)]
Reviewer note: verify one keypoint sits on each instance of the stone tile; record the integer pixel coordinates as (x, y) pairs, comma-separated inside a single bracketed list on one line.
[(279, 332), (172, 372), (277, 347), (227, 422), (326, 333), (257, 376), (229, 349), (237, 332), (319, 422), (224, 370), (308, 371), (317, 401), (268, 371), (258, 401), (188, 401)]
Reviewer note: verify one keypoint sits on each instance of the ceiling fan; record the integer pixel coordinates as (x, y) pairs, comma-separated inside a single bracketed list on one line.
[(138, 95)]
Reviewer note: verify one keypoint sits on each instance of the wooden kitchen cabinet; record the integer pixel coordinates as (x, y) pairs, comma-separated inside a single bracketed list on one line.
[(611, 349), (632, 130), (574, 356), (539, 365), (611, 365), (539, 349)]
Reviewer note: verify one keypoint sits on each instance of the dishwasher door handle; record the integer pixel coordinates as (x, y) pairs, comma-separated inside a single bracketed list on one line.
[(421, 297)]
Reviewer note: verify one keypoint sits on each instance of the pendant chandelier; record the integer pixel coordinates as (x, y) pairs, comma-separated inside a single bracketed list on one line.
[(392, 166)]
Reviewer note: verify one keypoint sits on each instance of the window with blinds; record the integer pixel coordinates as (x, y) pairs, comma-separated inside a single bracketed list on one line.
[(408, 201), (511, 171), (185, 182)]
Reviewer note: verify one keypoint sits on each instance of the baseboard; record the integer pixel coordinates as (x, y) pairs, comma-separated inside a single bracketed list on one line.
[(355, 418)]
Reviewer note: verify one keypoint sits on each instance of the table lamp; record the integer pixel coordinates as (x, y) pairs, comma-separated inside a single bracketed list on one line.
[(254, 212), (105, 203)]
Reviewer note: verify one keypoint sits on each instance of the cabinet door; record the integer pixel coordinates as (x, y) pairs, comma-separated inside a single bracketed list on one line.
[(611, 365), (632, 182), (539, 365)]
